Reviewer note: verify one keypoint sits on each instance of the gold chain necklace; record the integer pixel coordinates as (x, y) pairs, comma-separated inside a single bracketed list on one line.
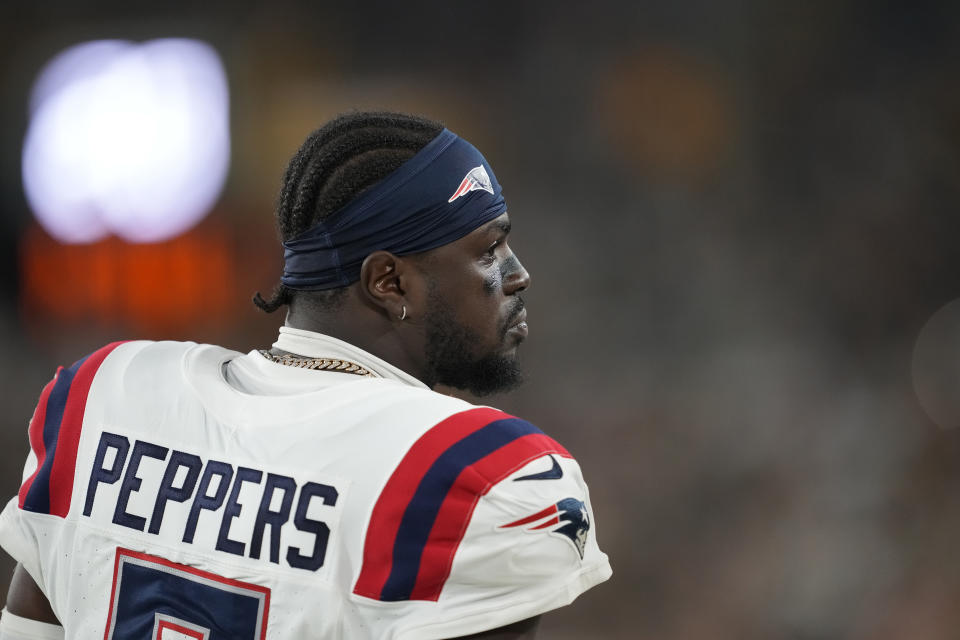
[(320, 364)]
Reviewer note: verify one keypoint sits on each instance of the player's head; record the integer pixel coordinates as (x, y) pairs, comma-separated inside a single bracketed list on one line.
[(361, 246), (332, 167)]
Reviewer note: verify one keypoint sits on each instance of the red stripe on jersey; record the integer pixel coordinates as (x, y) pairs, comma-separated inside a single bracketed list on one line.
[(68, 440), (397, 493), (473, 483), (35, 433)]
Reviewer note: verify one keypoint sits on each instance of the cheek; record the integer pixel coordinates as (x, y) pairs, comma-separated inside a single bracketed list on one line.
[(493, 281)]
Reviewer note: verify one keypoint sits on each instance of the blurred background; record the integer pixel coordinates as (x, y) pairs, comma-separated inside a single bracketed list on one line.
[(740, 218)]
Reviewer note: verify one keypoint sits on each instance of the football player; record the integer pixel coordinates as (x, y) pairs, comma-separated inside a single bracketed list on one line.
[(318, 488)]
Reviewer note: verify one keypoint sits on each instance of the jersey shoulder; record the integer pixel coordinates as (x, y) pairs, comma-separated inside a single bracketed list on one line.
[(422, 512), (485, 521), (55, 428)]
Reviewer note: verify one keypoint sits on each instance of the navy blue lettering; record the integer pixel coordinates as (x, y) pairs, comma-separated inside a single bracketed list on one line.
[(131, 483), (232, 510), (198, 482), (202, 501), (275, 519), (314, 561), (168, 492), (98, 474)]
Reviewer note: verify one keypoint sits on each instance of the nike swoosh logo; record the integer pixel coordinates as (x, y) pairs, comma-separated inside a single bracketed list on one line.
[(553, 473)]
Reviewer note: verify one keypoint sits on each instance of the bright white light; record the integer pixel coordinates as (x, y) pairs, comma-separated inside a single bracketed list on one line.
[(127, 139)]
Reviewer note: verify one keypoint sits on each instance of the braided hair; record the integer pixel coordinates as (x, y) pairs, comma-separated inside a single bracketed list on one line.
[(335, 164)]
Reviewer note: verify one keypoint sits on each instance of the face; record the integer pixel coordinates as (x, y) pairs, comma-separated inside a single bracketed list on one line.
[(475, 318)]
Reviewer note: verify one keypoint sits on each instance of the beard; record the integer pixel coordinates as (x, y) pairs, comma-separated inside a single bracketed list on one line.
[(452, 359)]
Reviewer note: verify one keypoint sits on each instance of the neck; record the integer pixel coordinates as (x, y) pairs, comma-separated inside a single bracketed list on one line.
[(399, 344)]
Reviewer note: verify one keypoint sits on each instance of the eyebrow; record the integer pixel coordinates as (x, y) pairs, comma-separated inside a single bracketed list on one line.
[(503, 226)]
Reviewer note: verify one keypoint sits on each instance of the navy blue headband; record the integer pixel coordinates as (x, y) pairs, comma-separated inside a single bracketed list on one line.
[(440, 195)]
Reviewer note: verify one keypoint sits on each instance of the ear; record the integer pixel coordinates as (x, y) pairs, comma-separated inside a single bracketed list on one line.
[(385, 280)]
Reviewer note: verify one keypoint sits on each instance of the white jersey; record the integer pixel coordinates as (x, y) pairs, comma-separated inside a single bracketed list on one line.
[(176, 490)]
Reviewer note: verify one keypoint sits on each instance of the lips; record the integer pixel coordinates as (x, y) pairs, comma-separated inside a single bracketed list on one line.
[(519, 325)]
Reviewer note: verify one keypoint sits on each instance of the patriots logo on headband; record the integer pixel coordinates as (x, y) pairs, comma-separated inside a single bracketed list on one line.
[(567, 518), (475, 179)]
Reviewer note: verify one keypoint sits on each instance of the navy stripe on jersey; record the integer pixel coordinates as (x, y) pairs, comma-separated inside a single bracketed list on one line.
[(421, 513), (38, 497)]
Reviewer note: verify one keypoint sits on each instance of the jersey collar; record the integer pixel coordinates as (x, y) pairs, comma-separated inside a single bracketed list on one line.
[(317, 345)]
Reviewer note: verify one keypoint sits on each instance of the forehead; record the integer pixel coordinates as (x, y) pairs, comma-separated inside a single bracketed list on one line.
[(470, 244), (498, 226), (482, 235)]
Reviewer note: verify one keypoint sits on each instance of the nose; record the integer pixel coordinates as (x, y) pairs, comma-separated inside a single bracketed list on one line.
[(515, 277)]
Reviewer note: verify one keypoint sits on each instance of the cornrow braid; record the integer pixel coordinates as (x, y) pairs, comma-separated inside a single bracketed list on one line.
[(333, 166)]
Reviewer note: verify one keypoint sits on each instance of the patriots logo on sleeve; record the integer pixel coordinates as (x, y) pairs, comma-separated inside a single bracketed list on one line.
[(567, 518)]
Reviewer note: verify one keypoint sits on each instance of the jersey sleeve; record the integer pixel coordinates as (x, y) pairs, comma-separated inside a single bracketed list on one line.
[(48, 475), (486, 521)]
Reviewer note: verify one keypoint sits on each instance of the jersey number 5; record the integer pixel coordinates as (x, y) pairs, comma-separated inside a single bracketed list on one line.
[(155, 599)]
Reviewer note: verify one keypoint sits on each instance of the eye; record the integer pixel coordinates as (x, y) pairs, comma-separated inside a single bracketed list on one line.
[(490, 255)]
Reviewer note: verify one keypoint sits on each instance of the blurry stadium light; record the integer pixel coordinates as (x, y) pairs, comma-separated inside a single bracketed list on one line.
[(127, 139), (668, 114)]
